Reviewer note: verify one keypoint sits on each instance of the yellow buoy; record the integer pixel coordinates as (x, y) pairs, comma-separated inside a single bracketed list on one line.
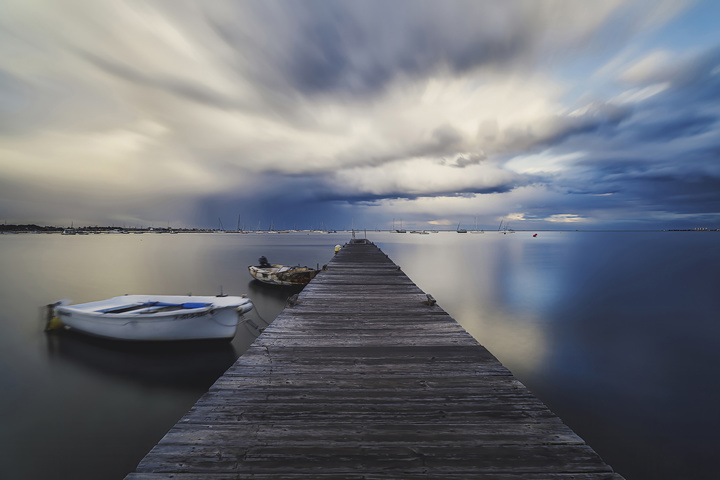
[(337, 249), (52, 321), (54, 324)]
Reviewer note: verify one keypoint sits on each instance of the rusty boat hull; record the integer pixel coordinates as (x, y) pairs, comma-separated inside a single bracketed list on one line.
[(283, 275)]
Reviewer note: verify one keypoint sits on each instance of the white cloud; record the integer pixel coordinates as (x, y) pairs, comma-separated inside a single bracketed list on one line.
[(366, 98), (636, 95), (649, 68), (565, 218), (544, 162)]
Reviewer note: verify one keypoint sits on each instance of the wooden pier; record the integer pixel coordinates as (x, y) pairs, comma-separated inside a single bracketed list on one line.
[(366, 378)]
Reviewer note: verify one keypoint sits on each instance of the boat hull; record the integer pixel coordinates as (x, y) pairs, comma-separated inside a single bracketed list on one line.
[(203, 317), (282, 275)]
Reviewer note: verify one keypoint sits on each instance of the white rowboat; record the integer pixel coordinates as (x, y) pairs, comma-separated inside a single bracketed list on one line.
[(157, 317)]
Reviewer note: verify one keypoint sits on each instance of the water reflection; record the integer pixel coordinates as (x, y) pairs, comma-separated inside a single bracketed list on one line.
[(263, 291), (616, 332), (92, 408), (178, 365), (495, 286)]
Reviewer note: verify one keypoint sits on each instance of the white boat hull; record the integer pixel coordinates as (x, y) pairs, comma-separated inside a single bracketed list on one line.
[(201, 317)]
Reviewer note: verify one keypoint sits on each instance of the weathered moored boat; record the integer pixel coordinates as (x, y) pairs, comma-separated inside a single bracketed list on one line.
[(157, 317), (280, 274)]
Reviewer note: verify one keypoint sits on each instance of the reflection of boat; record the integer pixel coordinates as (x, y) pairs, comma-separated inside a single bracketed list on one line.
[(185, 366), (280, 274), (157, 317)]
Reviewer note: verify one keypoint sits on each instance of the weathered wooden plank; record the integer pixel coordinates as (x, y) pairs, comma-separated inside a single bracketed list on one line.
[(394, 460), (354, 476), (363, 378), (503, 410), (371, 355), (356, 434)]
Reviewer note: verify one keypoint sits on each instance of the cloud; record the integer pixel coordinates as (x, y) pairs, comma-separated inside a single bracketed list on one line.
[(424, 105), (636, 95), (564, 218), (422, 177), (652, 68), (360, 48)]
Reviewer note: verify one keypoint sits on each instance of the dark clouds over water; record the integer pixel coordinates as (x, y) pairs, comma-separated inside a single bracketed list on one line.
[(552, 114)]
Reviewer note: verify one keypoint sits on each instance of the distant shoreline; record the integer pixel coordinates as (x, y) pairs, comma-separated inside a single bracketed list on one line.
[(33, 228)]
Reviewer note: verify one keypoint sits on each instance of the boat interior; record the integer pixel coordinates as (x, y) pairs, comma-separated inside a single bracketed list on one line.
[(152, 307)]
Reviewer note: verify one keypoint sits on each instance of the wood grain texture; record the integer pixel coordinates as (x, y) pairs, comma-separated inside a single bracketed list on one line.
[(364, 379)]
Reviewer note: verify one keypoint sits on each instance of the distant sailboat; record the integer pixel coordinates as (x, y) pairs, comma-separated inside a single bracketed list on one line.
[(70, 231), (504, 229), (460, 230), (476, 229)]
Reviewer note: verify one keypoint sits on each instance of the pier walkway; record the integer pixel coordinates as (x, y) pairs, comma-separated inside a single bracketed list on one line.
[(367, 378)]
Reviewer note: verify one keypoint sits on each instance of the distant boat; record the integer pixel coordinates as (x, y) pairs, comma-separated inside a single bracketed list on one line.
[(280, 274), (156, 317), (476, 229), (460, 230), (70, 231)]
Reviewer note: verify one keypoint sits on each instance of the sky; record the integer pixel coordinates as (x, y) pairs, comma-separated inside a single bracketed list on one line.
[(549, 114)]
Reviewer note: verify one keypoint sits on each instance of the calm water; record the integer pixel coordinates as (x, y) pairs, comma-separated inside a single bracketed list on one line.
[(617, 332)]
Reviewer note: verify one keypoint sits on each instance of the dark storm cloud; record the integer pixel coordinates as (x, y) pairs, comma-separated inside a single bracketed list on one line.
[(690, 194), (359, 48), (463, 161), (663, 156), (601, 121), (444, 140), (322, 59), (667, 129), (336, 103), (335, 51), (655, 157), (360, 197)]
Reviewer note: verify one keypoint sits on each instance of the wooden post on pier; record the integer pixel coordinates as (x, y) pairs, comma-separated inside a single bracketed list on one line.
[(365, 377)]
